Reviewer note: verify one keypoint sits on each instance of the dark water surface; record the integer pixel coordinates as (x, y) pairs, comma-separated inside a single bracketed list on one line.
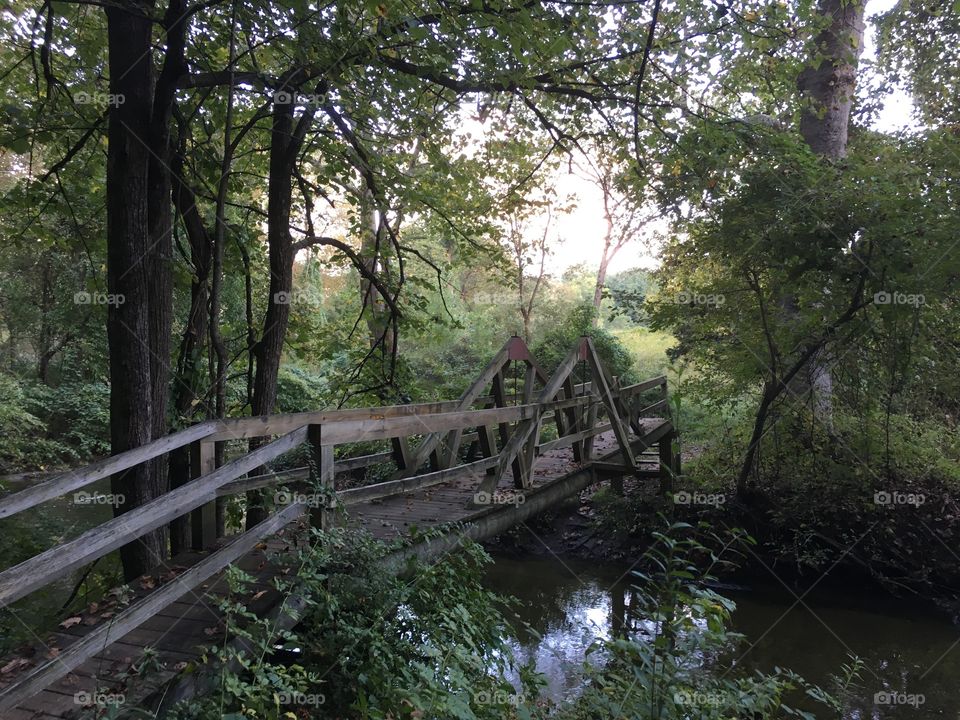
[(906, 652)]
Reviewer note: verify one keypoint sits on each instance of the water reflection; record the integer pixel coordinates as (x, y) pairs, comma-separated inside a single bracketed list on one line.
[(912, 666)]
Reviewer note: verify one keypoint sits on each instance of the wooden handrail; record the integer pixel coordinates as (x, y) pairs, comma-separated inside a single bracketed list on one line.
[(76, 479), (32, 574), (345, 431), (22, 579), (208, 431), (402, 485), (142, 610), (644, 385)]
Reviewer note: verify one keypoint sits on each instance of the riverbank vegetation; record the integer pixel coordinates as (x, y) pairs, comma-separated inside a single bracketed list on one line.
[(370, 644)]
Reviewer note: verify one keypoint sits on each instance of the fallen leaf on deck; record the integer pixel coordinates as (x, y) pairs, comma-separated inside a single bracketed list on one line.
[(14, 664), (71, 621)]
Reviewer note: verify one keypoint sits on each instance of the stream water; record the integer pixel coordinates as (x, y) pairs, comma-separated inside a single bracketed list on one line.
[(570, 604)]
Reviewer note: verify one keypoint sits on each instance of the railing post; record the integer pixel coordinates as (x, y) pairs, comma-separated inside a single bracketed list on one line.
[(401, 453), (488, 448), (572, 424), (203, 520), (499, 388), (669, 463), (321, 479), (591, 420)]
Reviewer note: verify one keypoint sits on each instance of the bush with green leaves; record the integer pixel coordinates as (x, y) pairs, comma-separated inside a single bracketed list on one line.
[(370, 643), (76, 415), (558, 342)]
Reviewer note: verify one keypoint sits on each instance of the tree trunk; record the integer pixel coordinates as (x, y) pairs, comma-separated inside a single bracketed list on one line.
[(378, 315), (45, 350), (192, 343), (601, 280), (828, 89), (270, 346), (160, 217), (129, 319)]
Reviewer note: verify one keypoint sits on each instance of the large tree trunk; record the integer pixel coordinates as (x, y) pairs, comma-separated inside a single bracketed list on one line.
[(132, 394), (827, 91), (604, 184), (160, 216), (269, 348), (601, 277), (191, 357)]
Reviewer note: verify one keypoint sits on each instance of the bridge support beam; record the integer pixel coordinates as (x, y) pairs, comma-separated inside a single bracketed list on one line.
[(669, 462)]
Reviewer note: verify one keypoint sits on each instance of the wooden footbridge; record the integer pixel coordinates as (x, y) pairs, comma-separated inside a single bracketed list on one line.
[(485, 462)]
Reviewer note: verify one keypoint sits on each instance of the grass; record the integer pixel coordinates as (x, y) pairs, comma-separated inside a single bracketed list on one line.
[(648, 348)]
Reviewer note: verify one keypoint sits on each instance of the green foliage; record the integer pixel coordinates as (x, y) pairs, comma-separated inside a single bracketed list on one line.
[(18, 425), (369, 644), (299, 390), (558, 342), (919, 46), (627, 292), (47, 426), (77, 415)]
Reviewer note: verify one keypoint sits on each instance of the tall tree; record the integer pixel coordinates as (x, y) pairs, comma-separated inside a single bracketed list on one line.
[(133, 393), (623, 211), (827, 88)]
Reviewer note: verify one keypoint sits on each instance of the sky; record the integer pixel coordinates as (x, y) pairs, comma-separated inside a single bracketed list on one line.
[(581, 230)]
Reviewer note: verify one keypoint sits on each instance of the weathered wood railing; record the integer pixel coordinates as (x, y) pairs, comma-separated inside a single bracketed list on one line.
[(501, 437)]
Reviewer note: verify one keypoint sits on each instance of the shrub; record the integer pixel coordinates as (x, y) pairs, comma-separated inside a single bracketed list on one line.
[(558, 342)]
